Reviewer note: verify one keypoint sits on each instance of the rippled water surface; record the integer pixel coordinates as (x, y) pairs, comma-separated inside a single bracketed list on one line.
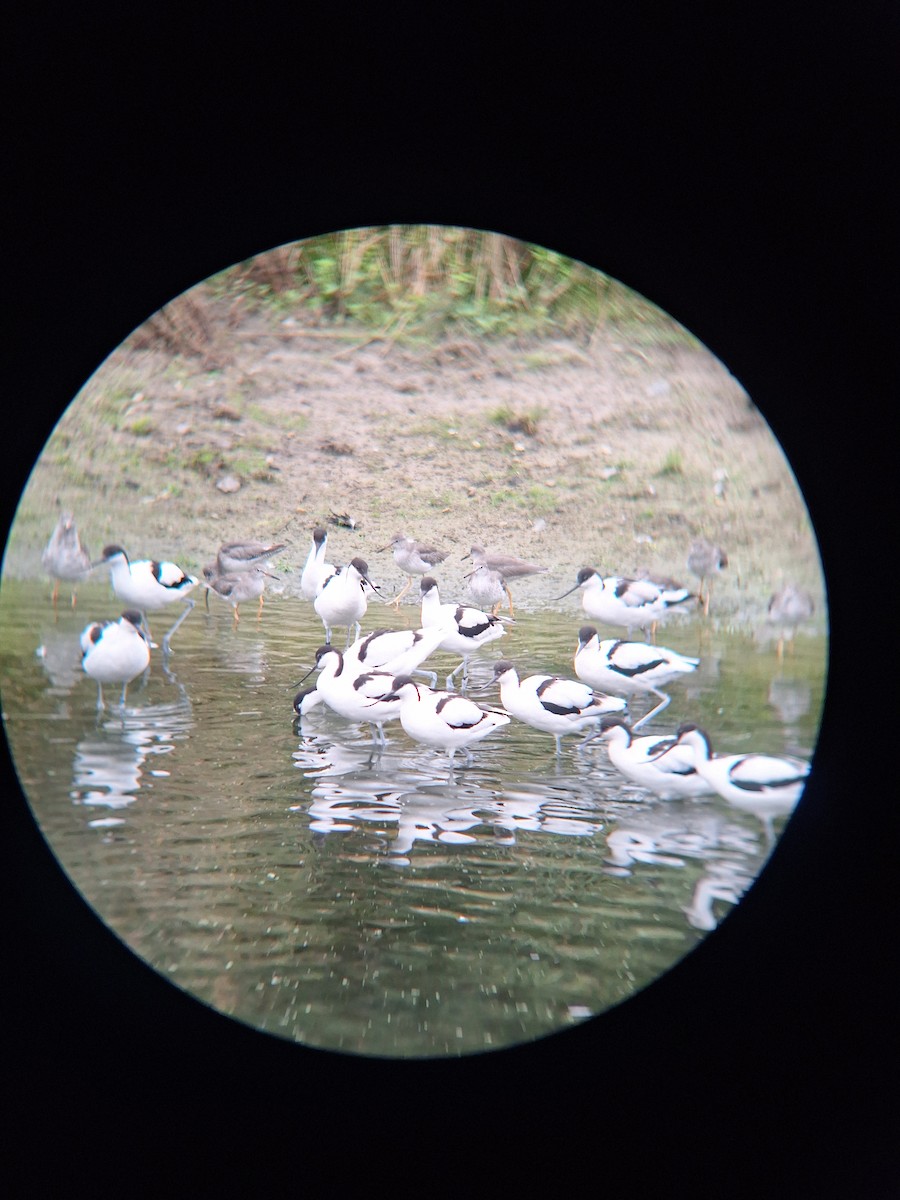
[(382, 903)]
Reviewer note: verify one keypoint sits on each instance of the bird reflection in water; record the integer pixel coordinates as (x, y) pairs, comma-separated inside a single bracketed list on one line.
[(108, 769), (730, 854)]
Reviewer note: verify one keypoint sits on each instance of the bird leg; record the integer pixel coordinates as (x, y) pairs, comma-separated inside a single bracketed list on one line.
[(188, 605), (705, 599), (665, 701), (509, 598), (464, 667), (396, 600)]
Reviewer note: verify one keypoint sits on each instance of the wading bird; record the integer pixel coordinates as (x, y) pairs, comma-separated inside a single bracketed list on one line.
[(64, 556), (549, 703), (630, 667), (148, 585), (506, 566), (114, 652), (465, 629), (443, 719), (414, 558)]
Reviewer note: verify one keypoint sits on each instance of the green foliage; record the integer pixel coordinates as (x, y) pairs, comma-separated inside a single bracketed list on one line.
[(517, 422), (672, 464), (424, 281)]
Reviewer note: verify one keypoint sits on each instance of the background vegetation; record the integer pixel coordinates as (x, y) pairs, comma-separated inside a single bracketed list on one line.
[(419, 283)]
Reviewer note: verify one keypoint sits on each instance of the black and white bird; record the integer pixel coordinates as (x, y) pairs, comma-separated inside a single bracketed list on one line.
[(114, 652), (443, 719), (654, 762), (552, 704), (148, 585), (633, 603), (789, 607), (465, 629), (506, 566), (413, 558), (706, 560), (763, 784), (342, 600), (358, 696), (400, 651), (307, 699), (316, 570), (627, 667), (65, 556)]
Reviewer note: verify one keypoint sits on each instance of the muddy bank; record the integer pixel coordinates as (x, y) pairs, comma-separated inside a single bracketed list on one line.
[(615, 454)]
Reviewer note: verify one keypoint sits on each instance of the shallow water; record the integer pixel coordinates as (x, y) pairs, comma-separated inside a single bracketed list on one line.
[(386, 903)]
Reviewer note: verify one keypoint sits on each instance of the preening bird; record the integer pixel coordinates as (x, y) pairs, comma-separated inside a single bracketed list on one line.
[(237, 587)]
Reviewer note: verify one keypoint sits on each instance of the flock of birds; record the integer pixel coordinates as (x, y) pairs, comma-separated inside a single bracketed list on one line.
[(373, 679)]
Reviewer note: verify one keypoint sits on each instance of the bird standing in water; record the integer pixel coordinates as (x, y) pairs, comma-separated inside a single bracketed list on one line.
[(235, 557), (316, 569), (148, 585), (442, 719), (554, 705), (763, 784), (114, 652), (237, 586), (342, 598), (506, 566), (634, 603), (465, 629), (789, 607), (65, 556), (706, 560)]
